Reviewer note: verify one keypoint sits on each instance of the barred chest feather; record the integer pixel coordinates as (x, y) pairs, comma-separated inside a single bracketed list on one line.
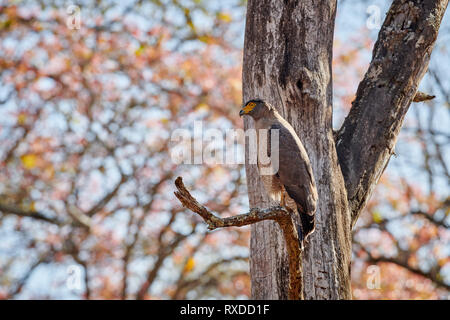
[(273, 187)]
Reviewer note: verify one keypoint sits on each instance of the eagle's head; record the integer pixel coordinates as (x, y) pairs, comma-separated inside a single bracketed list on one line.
[(255, 108)]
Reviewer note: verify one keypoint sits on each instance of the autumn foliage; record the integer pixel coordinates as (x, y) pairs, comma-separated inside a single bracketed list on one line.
[(86, 175)]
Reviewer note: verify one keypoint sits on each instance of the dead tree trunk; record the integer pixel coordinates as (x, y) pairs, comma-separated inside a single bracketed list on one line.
[(287, 62)]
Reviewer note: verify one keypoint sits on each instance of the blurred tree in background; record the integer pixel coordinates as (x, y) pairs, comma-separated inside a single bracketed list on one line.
[(86, 173), (88, 101)]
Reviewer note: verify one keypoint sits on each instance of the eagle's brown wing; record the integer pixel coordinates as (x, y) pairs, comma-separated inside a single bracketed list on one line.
[(295, 174)]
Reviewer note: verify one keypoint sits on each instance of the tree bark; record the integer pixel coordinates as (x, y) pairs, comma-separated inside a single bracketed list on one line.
[(278, 214), (400, 59), (287, 62)]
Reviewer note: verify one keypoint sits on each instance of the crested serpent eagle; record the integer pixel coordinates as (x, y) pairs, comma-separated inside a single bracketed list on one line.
[(291, 183)]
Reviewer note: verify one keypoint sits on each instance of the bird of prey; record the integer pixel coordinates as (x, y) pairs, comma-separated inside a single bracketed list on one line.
[(292, 185)]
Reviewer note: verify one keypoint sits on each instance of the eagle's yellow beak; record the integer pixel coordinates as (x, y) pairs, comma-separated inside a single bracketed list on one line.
[(246, 109)]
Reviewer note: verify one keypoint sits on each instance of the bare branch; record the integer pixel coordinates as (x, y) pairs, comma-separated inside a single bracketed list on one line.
[(435, 279), (214, 222), (130, 247), (278, 214), (163, 253), (104, 201), (422, 96), (430, 218), (401, 54), (402, 261), (184, 286), (43, 258), (444, 91), (7, 209)]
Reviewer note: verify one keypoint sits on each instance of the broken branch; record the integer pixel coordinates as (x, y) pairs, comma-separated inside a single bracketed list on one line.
[(278, 214), (422, 96)]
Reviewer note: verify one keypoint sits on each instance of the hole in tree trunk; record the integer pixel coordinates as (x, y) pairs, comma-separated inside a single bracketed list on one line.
[(299, 84)]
